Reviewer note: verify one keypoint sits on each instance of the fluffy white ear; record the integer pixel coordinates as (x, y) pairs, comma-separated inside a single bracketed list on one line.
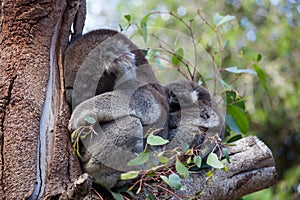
[(126, 61)]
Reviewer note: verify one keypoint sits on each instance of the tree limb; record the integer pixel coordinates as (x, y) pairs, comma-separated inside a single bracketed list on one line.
[(252, 168)]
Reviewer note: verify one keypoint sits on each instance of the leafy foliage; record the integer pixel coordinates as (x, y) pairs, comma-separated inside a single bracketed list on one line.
[(174, 165)]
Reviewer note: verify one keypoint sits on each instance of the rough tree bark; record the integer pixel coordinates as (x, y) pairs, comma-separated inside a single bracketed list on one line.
[(251, 168), (35, 152), (36, 160)]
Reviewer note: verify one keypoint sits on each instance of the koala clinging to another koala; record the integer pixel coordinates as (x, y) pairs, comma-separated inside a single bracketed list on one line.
[(108, 78), (112, 82)]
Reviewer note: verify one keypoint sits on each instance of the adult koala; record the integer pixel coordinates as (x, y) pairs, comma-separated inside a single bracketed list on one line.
[(109, 79)]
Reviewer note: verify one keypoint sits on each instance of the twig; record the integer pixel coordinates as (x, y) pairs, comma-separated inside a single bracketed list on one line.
[(170, 192), (100, 197)]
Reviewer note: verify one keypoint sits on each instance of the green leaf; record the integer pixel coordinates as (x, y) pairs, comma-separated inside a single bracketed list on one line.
[(213, 161), (229, 87), (178, 56), (231, 124), (166, 180), (175, 181), (127, 17), (181, 169), (234, 138), (235, 70), (163, 159), (226, 44), (143, 29), (140, 159), (219, 19), (90, 120), (198, 161), (225, 152), (156, 140), (239, 118), (261, 76), (258, 57), (117, 196), (129, 175)]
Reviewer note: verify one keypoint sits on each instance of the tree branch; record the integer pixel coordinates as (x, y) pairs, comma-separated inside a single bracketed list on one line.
[(252, 168)]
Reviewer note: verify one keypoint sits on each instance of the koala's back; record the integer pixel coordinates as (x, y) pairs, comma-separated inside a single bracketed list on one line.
[(78, 52)]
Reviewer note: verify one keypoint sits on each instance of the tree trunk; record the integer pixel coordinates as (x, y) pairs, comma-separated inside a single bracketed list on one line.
[(36, 155)]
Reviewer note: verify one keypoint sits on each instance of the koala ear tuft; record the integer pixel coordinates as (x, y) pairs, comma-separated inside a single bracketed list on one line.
[(126, 61)]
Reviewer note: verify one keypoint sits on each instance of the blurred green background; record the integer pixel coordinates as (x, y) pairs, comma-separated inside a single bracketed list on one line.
[(270, 28)]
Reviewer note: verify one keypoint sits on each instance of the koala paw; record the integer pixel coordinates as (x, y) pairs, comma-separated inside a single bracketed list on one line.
[(80, 119)]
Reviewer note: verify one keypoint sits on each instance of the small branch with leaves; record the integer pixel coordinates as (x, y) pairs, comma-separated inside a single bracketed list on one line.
[(174, 165)]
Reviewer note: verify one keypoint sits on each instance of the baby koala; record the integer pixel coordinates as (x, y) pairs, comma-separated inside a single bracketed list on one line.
[(193, 115)]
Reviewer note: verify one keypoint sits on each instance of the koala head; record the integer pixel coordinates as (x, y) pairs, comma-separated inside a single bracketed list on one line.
[(184, 94)]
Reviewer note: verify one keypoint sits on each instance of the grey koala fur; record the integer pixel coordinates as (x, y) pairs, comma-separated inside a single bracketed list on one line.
[(94, 63), (193, 116), (108, 78)]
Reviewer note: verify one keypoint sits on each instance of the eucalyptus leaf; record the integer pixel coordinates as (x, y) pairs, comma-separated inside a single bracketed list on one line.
[(239, 118), (226, 44), (166, 180), (117, 196), (163, 159), (143, 27), (219, 19), (231, 124), (225, 152), (213, 161), (127, 17), (178, 56), (129, 175), (198, 161), (235, 70), (261, 76), (175, 181), (234, 138), (229, 87), (258, 57), (140, 159), (90, 120), (156, 140), (181, 169)]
